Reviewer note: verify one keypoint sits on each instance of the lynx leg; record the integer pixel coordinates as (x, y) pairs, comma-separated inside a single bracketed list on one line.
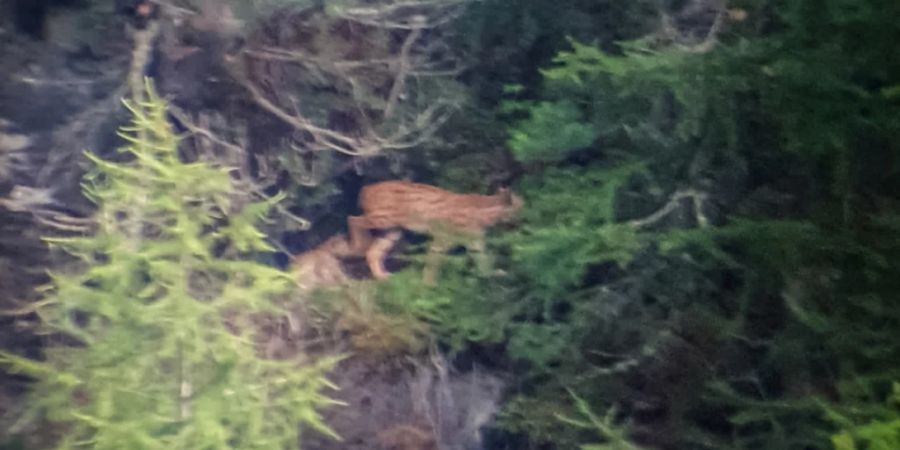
[(432, 260), (479, 254), (358, 230), (376, 252)]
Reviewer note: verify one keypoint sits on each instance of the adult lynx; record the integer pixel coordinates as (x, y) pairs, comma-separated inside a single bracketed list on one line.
[(450, 218)]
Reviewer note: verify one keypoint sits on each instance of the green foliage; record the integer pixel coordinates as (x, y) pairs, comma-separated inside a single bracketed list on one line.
[(157, 325), (605, 427), (569, 224), (880, 434), (509, 43), (455, 309), (788, 303), (538, 418), (771, 322), (643, 101), (776, 244), (253, 9), (552, 130)]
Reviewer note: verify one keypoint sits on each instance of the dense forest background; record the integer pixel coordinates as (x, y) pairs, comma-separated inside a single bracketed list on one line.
[(707, 256)]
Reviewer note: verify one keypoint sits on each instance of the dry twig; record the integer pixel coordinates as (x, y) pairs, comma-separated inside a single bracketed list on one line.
[(698, 199), (246, 184)]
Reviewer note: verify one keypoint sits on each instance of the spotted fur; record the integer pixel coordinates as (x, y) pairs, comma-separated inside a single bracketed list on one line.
[(450, 218), (322, 266)]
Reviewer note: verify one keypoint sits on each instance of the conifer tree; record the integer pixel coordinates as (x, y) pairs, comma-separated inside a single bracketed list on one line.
[(154, 342)]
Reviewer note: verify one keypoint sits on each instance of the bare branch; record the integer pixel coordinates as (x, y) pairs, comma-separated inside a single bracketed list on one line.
[(42, 205), (711, 39), (368, 75), (402, 71), (246, 184), (174, 10), (406, 15), (683, 41), (61, 222), (280, 54), (426, 124), (182, 117), (140, 57), (26, 199), (698, 199), (332, 139)]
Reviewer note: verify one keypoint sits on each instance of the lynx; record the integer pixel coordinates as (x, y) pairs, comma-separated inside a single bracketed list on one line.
[(450, 218), (321, 266)]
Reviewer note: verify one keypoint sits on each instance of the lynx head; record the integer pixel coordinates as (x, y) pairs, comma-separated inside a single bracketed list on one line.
[(512, 202), (337, 245)]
